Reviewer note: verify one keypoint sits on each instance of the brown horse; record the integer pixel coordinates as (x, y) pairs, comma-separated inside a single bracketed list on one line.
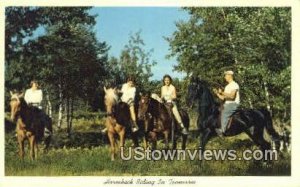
[(158, 119), (118, 119), (31, 124)]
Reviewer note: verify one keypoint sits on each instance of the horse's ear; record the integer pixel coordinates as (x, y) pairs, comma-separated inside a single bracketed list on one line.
[(104, 88), (11, 93), (141, 94)]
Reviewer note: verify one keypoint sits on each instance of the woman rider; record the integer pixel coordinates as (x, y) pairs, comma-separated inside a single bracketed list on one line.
[(168, 94)]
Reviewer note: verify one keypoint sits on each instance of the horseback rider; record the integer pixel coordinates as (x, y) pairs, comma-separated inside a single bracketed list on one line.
[(168, 95), (34, 95), (128, 91), (231, 96), (128, 96)]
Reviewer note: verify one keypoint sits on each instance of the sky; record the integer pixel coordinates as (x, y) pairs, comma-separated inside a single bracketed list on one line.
[(115, 24)]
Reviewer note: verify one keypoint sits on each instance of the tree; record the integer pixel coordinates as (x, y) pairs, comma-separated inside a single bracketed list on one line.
[(68, 59), (134, 61), (254, 42)]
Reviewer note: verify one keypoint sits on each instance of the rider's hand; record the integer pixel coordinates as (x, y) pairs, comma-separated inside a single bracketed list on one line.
[(220, 91), (215, 91)]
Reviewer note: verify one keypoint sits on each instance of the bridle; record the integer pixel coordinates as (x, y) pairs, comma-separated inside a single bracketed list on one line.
[(146, 112)]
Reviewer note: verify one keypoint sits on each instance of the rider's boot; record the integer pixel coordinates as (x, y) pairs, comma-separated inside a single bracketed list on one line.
[(104, 131), (183, 129), (219, 132), (134, 126)]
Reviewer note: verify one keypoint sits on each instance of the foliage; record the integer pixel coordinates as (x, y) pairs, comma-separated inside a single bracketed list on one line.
[(87, 154), (254, 42), (134, 61)]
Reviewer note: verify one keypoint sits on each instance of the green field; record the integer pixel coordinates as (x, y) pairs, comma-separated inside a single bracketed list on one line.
[(86, 153)]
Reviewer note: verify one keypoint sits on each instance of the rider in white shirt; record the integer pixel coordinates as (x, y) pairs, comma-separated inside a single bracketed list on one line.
[(128, 91), (168, 94), (128, 95), (34, 95), (231, 96)]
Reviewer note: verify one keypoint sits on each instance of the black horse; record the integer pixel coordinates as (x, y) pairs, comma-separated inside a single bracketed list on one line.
[(250, 121)]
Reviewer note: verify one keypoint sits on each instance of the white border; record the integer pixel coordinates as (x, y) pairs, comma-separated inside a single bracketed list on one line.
[(203, 181)]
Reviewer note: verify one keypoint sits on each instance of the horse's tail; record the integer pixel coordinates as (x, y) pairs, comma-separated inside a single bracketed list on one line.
[(48, 132), (269, 124), (185, 118)]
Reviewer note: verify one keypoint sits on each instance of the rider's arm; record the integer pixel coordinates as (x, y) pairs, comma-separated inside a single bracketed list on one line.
[(220, 96), (229, 96), (162, 93), (174, 94), (26, 97)]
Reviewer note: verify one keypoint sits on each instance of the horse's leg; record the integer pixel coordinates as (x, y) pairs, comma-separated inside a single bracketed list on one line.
[(21, 139), (206, 135), (31, 139), (153, 140), (184, 139), (257, 135), (145, 141), (174, 143), (112, 144), (36, 149), (48, 134), (122, 137), (47, 143), (134, 138), (166, 135)]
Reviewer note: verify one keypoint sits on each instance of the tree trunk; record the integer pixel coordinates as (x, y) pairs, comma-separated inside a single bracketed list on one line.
[(267, 94), (68, 116), (71, 114), (250, 102), (48, 106), (60, 107)]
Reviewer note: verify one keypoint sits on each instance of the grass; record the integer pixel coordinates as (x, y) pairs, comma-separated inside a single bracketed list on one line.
[(86, 153)]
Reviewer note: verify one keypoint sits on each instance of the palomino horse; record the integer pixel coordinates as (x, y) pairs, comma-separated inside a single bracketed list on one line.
[(31, 124), (158, 119), (251, 121), (118, 119)]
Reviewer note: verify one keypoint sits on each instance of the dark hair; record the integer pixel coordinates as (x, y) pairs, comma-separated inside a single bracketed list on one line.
[(131, 78), (34, 81), (167, 76)]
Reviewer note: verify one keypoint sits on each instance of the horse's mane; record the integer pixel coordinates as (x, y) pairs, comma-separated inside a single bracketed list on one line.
[(111, 95), (156, 97), (156, 107), (207, 97)]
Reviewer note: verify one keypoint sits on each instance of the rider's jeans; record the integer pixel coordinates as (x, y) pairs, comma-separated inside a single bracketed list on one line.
[(228, 110)]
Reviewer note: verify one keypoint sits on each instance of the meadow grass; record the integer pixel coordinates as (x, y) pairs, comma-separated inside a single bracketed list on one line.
[(86, 153)]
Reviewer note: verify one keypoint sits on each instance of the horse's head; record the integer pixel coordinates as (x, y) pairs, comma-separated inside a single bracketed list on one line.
[(15, 105), (110, 99), (143, 105), (194, 90)]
